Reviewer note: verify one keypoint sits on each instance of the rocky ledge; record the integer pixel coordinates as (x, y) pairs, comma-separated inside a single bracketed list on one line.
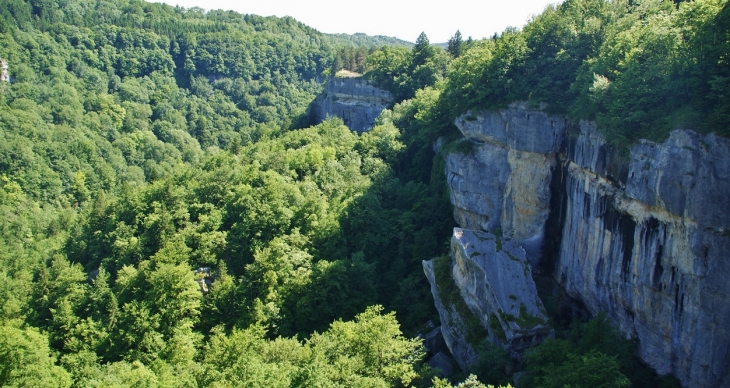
[(355, 100)]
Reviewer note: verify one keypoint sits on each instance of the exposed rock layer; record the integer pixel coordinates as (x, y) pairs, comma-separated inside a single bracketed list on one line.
[(645, 240), (355, 100), (496, 283), (504, 182)]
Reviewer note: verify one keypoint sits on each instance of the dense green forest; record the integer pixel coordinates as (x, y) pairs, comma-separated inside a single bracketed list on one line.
[(638, 68), (166, 206), (169, 217)]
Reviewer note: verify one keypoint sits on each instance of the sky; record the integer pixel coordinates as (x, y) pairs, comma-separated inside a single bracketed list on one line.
[(439, 19)]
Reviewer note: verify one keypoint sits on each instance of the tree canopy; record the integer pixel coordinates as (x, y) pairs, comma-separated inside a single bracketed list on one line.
[(169, 217), (639, 69)]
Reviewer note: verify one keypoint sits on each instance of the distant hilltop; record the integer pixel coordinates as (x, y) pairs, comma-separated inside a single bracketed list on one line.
[(361, 39)]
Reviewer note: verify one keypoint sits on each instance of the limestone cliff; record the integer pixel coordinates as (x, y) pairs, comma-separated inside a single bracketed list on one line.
[(645, 238), (355, 100), (504, 182), (454, 328)]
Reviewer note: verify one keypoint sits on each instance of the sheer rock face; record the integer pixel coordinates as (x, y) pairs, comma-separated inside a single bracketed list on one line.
[(645, 240), (654, 255), (504, 182), (355, 100)]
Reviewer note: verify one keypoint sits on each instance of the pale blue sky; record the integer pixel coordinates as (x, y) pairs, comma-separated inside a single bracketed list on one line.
[(402, 19)]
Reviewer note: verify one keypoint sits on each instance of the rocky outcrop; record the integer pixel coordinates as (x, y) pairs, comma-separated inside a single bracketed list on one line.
[(645, 238), (442, 362), (355, 100), (437, 353), (494, 280), (453, 326)]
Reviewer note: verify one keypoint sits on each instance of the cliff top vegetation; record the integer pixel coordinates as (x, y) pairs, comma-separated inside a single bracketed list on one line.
[(640, 69)]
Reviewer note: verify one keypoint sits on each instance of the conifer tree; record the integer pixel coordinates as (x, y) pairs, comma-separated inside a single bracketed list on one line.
[(455, 45)]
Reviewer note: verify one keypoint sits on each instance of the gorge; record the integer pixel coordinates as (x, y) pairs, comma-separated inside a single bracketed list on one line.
[(188, 198)]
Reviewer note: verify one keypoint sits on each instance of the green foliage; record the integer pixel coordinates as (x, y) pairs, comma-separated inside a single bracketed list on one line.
[(351, 58), (362, 40), (404, 72), (593, 369), (470, 382), (26, 360), (524, 319), (592, 354), (456, 45), (376, 342), (140, 142), (639, 70), (367, 352)]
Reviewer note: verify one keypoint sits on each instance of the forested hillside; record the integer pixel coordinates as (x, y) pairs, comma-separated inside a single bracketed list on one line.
[(168, 216), (166, 222), (639, 69)]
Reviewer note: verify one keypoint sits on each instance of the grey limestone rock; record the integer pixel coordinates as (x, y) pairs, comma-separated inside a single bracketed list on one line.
[(434, 341), (355, 100), (443, 362), (683, 175), (504, 181), (518, 127), (495, 281), (453, 327), (590, 151), (653, 256), (645, 238)]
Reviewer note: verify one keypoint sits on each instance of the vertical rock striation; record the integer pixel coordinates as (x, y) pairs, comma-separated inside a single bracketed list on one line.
[(355, 100), (654, 254), (504, 181), (647, 240)]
